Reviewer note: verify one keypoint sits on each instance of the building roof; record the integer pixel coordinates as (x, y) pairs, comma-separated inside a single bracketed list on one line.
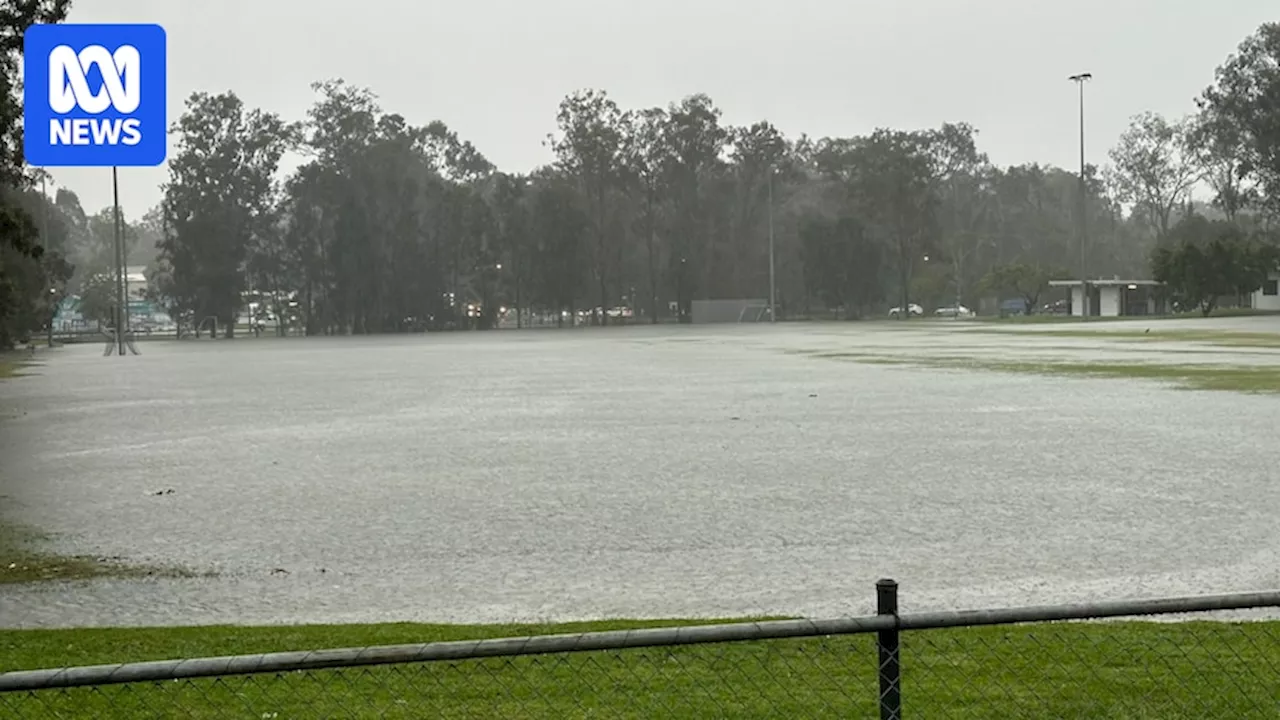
[(1106, 282)]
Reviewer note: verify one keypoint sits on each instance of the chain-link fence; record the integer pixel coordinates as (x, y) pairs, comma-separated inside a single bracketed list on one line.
[(1039, 662)]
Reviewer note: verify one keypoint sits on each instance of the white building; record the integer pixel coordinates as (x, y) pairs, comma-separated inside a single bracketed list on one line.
[(135, 278), (1267, 297), (1114, 297)]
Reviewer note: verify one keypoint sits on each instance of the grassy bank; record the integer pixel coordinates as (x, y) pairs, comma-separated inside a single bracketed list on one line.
[(1245, 379), (22, 561), (1076, 670), (23, 554), (24, 558), (1069, 319), (1225, 338), (10, 367), (1232, 378)]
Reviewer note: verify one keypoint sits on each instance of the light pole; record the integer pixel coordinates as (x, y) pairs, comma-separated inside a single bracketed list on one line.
[(44, 195), (122, 310), (1080, 80), (773, 313), (53, 313), (44, 238)]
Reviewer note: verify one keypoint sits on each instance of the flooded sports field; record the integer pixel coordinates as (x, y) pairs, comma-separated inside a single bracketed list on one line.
[(637, 472)]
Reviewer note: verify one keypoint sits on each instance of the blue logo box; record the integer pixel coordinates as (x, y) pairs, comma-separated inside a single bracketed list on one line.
[(94, 95)]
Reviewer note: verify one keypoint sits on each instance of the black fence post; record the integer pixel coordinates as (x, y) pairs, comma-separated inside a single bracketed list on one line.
[(887, 645)]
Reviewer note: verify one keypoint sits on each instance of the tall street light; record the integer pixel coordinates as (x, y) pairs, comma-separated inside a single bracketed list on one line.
[(773, 311), (1080, 80), (122, 293)]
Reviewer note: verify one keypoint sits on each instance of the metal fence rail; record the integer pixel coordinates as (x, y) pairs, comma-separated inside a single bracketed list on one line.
[(937, 664), (434, 652)]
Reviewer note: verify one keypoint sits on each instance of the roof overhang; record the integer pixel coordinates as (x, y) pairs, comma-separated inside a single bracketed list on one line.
[(1107, 283)]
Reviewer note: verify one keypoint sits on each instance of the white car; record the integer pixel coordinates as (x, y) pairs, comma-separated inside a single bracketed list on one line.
[(954, 311), (913, 308)]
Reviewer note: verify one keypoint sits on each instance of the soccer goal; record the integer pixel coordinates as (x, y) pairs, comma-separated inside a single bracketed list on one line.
[(730, 311), (212, 322), (754, 313)]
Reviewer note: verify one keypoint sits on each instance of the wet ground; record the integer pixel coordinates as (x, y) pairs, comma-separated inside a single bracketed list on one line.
[(654, 472)]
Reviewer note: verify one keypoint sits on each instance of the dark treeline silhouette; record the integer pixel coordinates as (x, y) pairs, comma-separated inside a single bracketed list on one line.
[(31, 262), (393, 227)]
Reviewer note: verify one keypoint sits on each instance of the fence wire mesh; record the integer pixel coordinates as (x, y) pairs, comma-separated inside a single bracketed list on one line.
[(1077, 669), (810, 677), (1093, 670)]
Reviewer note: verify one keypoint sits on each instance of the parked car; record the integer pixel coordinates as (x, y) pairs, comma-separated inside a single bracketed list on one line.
[(1014, 306), (913, 308), (954, 311)]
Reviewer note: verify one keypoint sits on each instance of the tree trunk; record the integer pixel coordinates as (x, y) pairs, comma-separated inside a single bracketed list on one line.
[(653, 263), (604, 302), (601, 255), (904, 277), (519, 307), (311, 309)]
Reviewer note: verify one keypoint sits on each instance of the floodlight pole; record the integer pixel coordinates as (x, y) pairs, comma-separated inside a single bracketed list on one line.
[(773, 313), (1080, 80), (44, 237), (122, 312)]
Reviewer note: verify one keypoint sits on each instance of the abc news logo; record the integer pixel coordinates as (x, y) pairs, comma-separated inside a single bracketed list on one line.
[(69, 91), (93, 95)]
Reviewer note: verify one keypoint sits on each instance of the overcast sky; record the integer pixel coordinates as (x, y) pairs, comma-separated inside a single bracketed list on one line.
[(495, 70)]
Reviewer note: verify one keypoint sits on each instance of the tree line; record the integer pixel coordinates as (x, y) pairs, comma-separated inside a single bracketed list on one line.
[(31, 262), (1233, 145), (389, 226)]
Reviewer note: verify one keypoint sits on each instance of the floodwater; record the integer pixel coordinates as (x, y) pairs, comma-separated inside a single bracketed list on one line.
[(629, 472)]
